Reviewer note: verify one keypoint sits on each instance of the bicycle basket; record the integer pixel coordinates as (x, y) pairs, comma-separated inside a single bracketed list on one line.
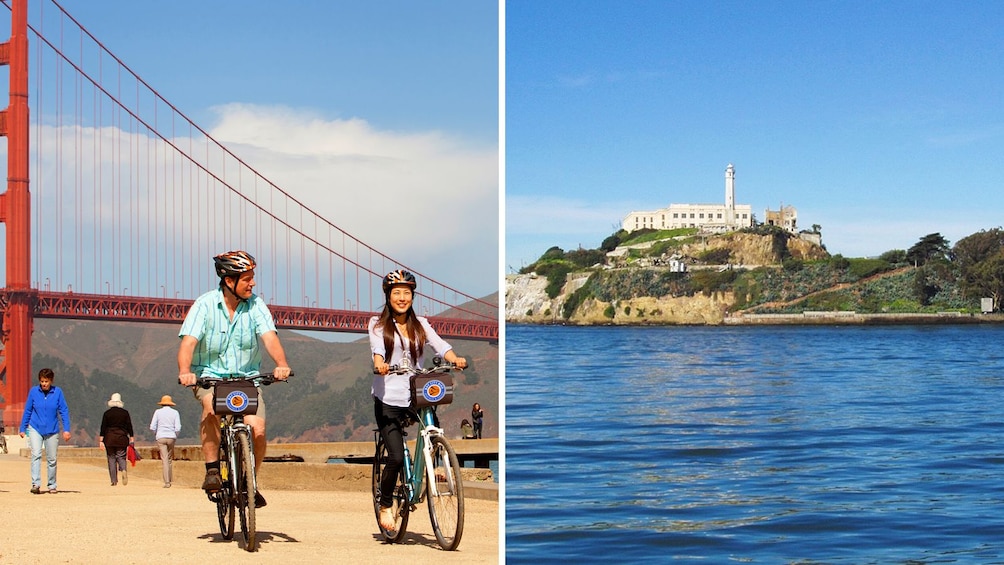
[(431, 390), (240, 398)]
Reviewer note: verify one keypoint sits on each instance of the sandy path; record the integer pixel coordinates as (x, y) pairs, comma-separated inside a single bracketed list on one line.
[(89, 521)]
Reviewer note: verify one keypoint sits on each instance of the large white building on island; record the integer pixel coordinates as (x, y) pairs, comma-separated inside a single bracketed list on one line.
[(713, 218)]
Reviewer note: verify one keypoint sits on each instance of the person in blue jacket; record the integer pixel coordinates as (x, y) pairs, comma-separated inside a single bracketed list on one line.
[(44, 409)]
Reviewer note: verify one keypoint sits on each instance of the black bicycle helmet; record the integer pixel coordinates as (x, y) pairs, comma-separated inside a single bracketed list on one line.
[(399, 276), (233, 263)]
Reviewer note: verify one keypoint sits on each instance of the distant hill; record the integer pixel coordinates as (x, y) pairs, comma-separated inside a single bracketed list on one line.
[(327, 400)]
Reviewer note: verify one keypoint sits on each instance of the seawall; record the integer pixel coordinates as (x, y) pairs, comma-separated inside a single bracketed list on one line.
[(290, 473)]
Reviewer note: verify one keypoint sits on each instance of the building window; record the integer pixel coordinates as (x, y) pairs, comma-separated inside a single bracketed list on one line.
[(719, 215), (702, 215)]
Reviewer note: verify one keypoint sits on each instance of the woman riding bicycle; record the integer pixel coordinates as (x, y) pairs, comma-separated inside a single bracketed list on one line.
[(398, 337)]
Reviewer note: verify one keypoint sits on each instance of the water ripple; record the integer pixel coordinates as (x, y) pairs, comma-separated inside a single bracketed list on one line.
[(754, 445)]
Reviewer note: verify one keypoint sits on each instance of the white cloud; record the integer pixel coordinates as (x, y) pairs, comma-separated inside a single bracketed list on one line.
[(427, 199)]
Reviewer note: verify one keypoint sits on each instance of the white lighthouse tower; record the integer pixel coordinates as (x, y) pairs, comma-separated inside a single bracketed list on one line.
[(730, 195)]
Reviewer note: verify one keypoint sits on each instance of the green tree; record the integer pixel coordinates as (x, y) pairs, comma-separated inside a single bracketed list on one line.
[(612, 241), (924, 286), (552, 254), (586, 258), (931, 247), (978, 247), (894, 256), (986, 279)]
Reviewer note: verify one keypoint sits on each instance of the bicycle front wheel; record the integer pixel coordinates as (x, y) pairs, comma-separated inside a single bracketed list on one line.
[(223, 498), (399, 506), (246, 487), (445, 495)]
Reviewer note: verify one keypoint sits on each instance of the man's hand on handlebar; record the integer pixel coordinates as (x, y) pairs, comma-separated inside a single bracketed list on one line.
[(282, 373), (187, 379)]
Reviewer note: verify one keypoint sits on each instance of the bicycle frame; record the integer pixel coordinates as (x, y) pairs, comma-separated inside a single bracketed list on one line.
[(415, 469), (237, 459), (434, 461), (230, 426)]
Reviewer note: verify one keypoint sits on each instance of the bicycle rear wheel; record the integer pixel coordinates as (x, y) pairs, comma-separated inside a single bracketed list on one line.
[(223, 498), (400, 504), (445, 495), (246, 489)]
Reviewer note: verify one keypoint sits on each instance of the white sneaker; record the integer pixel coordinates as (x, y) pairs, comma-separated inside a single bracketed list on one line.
[(125, 476)]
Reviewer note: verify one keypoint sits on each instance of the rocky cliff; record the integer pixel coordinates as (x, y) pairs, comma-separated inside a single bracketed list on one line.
[(527, 302)]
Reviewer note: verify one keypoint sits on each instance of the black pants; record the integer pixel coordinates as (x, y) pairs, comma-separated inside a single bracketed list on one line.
[(389, 420)]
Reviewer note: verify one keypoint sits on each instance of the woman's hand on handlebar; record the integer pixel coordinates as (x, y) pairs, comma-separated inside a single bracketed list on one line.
[(187, 379), (381, 368)]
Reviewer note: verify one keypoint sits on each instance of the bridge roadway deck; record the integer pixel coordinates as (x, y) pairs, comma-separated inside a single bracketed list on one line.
[(317, 513)]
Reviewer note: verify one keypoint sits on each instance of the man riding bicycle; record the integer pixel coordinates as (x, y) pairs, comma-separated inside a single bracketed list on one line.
[(220, 338)]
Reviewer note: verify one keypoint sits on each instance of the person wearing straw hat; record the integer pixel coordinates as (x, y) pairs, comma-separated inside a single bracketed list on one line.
[(116, 435), (166, 423)]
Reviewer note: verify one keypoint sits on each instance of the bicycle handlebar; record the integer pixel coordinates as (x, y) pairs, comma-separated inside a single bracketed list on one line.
[(262, 379), (438, 366)]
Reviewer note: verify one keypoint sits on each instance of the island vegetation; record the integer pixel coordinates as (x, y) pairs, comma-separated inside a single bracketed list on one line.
[(766, 269)]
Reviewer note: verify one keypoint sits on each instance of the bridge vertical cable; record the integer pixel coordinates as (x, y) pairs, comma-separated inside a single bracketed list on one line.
[(133, 198)]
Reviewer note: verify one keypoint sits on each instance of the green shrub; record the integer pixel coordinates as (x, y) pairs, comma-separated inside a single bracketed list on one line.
[(609, 311), (863, 268), (718, 256)]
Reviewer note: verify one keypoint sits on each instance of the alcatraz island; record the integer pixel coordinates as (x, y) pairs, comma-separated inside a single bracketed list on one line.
[(711, 264)]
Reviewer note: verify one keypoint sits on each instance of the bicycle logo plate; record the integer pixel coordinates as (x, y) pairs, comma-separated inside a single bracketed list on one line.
[(239, 398), (431, 390)]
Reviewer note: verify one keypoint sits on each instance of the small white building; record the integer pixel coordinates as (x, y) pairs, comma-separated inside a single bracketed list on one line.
[(713, 218)]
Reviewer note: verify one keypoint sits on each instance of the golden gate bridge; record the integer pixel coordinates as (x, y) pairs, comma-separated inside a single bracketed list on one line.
[(117, 201)]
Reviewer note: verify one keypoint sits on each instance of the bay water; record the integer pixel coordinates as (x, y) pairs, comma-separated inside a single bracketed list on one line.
[(781, 444)]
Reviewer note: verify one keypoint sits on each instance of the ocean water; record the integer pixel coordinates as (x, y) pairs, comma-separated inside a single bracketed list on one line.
[(755, 445)]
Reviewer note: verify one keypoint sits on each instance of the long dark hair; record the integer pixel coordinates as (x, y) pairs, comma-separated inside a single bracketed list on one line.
[(412, 328)]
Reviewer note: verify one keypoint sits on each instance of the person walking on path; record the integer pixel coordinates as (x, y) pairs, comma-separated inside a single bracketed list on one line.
[(166, 423), (116, 436), (478, 416), (44, 409)]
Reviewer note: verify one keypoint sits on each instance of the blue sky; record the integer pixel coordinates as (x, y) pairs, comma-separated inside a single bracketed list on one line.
[(415, 81), (880, 121)]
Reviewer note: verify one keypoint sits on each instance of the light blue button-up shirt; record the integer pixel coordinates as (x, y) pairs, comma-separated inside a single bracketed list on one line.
[(227, 347)]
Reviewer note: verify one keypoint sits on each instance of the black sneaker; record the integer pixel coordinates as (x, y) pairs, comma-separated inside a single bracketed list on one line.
[(259, 500), (213, 481)]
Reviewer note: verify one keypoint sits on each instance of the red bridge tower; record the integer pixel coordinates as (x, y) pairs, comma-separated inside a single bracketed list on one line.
[(15, 212)]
